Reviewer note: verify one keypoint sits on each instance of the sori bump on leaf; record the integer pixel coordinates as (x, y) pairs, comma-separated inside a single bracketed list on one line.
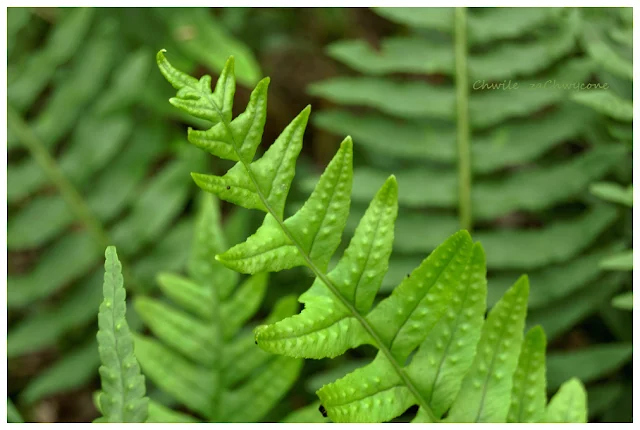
[(435, 349), (122, 399)]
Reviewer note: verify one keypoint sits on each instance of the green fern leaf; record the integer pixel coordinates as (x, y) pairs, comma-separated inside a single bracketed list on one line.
[(620, 261), (569, 405), (623, 301), (163, 415), (613, 193), (123, 387), (485, 392), (529, 397), (446, 354), (606, 103)]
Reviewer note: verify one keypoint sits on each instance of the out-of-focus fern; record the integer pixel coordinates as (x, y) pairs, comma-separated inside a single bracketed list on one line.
[(122, 399), (607, 38), (103, 166), (202, 356), (524, 170), (435, 348)]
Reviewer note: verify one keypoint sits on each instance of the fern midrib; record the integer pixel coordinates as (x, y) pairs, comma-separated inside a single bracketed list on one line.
[(361, 319)]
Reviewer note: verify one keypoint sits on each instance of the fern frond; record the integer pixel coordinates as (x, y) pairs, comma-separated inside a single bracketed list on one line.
[(65, 84), (426, 332), (199, 354), (123, 388)]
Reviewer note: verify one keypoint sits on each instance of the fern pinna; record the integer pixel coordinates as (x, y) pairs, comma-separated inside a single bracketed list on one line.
[(436, 350), (202, 356), (122, 399)]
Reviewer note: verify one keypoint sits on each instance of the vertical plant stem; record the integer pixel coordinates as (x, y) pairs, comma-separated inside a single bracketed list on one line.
[(462, 111), (68, 191)]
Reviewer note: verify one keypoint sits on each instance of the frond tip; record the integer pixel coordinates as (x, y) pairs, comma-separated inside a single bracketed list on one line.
[(123, 388)]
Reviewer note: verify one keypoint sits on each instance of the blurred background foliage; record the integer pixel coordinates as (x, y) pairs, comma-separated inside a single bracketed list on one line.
[(97, 156)]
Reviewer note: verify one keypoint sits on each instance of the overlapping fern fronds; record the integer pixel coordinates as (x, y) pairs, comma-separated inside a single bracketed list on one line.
[(531, 160), (101, 166), (435, 348), (201, 355)]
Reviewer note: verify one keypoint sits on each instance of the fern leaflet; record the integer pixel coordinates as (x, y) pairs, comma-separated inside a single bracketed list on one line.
[(122, 399)]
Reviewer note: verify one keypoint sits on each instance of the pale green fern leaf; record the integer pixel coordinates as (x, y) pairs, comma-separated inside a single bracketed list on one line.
[(606, 103), (123, 389), (447, 352), (620, 261), (613, 192), (161, 414), (485, 392), (623, 301), (529, 394), (402, 319), (568, 405)]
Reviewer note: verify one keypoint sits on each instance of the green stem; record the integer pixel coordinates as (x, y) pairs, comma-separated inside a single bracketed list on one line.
[(68, 191), (325, 279), (462, 107)]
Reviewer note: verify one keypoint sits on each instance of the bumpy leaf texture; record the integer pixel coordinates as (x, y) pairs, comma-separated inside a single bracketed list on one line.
[(123, 389), (435, 349)]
